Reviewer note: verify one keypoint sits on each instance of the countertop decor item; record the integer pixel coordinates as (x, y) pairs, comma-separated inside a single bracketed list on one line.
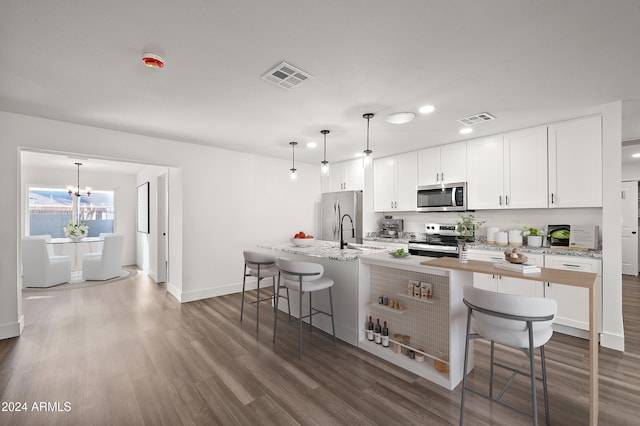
[(515, 256), (534, 236), (303, 242), (466, 228)]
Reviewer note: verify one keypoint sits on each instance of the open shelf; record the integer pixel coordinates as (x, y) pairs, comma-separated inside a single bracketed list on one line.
[(424, 369), (416, 299), (388, 309)]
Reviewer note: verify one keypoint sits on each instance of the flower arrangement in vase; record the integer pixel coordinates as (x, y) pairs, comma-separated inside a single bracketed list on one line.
[(466, 227), (76, 231)]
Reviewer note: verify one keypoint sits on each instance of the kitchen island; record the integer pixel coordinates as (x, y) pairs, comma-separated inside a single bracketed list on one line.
[(341, 266), (436, 326)]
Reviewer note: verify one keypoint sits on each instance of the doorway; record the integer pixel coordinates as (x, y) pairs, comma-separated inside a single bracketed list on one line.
[(630, 247)]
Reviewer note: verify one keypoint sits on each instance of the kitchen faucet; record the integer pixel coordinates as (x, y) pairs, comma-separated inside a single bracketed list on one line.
[(343, 244)]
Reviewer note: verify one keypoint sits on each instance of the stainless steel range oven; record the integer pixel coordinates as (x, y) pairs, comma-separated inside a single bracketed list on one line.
[(439, 241)]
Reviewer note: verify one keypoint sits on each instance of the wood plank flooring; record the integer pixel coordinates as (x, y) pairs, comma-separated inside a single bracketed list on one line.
[(127, 353)]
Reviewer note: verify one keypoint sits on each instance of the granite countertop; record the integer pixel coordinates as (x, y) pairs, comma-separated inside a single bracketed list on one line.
[(481, 244), (327, 249)]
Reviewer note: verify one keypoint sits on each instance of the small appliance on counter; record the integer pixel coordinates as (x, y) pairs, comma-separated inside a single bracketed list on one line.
[(559, 235), (390, 227)]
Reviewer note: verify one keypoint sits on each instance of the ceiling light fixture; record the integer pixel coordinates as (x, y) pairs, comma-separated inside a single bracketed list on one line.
[(293, 172), (367, 152), (312, 145), (636, 155), (76, 191), (427, 109), (152, 60), (324, 164), (400, 117), (466, 130)]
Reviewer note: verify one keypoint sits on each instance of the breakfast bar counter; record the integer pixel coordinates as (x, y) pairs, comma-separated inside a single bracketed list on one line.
[(571, 278), (343, 268)]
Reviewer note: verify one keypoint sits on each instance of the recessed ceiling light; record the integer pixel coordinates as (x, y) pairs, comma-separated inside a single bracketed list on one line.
[(311, 145), (427, 109), (466, 130), (400, 117), (358, 154), (636, 155)]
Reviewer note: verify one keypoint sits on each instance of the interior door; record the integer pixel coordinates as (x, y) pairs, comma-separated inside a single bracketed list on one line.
[(162, 243), (630, 228)]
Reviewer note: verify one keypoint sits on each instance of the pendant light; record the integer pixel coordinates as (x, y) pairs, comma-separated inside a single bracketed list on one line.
[(293, 172), (324, 164), (367, 152), (76, 191)]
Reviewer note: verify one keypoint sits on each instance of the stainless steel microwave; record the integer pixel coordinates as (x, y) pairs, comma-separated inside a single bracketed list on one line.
[(447, 197)]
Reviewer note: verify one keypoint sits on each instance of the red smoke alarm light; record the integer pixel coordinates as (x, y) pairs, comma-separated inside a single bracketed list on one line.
[(152, 61)]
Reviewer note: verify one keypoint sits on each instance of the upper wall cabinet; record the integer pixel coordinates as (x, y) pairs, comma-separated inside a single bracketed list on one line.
[(575, 163), (508, 171), (344, 176), (394, 183), (443, 164)]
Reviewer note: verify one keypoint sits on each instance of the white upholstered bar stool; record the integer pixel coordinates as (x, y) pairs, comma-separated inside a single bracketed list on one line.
[(304, 277), (261, 266), (519, 321)]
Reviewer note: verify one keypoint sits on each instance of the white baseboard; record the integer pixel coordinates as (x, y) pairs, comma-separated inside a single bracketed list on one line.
[(205, 293), (612, 341), (13, 329)]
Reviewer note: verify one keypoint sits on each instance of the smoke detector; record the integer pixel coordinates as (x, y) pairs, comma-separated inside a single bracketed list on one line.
[(152, 60), (480, 117), (286, 76)]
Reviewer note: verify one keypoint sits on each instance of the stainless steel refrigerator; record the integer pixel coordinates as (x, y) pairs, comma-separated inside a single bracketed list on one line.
[(333, 207)]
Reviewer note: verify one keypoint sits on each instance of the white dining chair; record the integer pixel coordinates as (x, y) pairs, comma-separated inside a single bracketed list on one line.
[(303, 277), (107, 263), (522, 322), (39, 268)]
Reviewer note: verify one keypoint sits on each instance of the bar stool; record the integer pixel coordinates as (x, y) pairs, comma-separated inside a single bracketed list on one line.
[(304, 277), (518, 321), (261, 266)]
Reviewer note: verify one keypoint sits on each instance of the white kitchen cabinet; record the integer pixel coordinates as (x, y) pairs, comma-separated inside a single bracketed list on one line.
[(507, 285), (508, 171), (345, 176), (575, 163), (573, 302), (394, 183), (443, 164)]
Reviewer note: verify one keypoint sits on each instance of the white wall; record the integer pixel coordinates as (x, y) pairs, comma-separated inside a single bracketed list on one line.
[(124, 187), (220, 203)]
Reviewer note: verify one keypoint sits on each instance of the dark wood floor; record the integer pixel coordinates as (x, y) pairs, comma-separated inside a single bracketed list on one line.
[(127, 353)]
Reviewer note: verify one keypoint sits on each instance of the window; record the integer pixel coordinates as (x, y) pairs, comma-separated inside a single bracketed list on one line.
[(52, 208)]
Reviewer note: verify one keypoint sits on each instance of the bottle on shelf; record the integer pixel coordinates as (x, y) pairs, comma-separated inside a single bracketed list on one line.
[(377, 332), (370, 329), (385, 335)]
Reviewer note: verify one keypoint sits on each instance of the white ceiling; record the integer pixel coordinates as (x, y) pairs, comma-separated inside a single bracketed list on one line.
[(526, 62)]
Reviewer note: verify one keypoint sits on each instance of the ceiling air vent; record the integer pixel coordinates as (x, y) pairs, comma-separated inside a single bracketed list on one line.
[(481, 117), (286, 76)]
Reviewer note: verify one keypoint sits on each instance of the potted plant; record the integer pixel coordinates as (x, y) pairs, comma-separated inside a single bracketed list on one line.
[(466, 227), (534, 236)]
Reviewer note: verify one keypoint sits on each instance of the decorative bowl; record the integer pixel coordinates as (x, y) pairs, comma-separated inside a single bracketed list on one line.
[(520, 259), (303, 242)]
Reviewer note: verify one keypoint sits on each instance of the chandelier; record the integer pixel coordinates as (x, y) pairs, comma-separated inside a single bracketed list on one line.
[(76, 190)]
